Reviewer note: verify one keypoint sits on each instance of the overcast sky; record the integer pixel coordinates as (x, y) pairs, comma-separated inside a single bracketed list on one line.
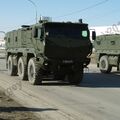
[(14, 13)]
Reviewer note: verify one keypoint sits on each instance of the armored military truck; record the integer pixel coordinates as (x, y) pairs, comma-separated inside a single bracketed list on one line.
[(107, 49), (49, 49)]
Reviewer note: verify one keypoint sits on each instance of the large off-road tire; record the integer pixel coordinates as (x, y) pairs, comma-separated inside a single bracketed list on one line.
[(60, 74), (75, 77), (22, 69), (12, 69), (59, 77), (119, 66), (34, 72), (104, 65)]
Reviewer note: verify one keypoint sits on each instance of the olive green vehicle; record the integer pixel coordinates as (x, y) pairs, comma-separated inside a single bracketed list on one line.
[(107, 49), (57, 50)]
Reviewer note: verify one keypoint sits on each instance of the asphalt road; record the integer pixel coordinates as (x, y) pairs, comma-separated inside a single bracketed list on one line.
[(96, 98)]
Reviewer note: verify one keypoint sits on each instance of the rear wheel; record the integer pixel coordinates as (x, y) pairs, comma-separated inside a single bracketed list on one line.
[(22, 69), (34, 72), (119, 66), (104, 65), (60, 74), (12, 69), (59, 77), (75, 77)]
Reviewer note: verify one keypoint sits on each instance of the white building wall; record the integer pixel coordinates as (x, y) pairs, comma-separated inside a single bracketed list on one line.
[(2, 43), (103, 30)]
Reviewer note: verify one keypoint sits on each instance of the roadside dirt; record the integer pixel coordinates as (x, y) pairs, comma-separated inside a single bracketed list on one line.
[(11, 110), (96, 98)]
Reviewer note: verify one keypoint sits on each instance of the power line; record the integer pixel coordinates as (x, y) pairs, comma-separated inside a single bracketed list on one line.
[(84, 9)]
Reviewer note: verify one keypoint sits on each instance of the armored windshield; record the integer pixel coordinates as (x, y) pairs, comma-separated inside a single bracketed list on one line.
[(69, 30), (66, 40)]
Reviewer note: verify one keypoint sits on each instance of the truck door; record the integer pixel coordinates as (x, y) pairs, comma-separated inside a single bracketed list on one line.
[(26, 38)]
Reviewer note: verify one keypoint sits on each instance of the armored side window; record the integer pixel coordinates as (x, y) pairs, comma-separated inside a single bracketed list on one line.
[(16, 39), (42, 34), (35, 32), (9, 40)]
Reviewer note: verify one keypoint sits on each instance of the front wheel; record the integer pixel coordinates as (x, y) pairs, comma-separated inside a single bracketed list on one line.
[(34, 72), (104, 65)]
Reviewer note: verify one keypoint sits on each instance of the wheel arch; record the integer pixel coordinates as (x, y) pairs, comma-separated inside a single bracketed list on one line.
[(29, 56)]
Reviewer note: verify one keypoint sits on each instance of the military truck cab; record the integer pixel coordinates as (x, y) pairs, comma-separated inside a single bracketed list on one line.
[(56, 49), (107, 48)]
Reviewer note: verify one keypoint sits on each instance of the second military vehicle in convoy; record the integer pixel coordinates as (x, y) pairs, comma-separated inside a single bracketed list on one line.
[(49, 49), (107, 49)]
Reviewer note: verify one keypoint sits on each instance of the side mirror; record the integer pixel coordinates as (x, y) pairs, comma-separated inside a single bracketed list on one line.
[(93, 35), (35, 32)]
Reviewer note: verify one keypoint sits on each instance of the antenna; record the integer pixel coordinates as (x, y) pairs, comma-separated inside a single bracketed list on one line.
[(35, 6)]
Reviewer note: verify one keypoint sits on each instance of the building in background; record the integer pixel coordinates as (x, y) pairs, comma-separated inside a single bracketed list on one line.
[(2, 43), (105, 30)]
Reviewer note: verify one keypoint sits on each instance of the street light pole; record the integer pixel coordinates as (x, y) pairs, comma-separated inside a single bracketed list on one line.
[(33, 3)]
